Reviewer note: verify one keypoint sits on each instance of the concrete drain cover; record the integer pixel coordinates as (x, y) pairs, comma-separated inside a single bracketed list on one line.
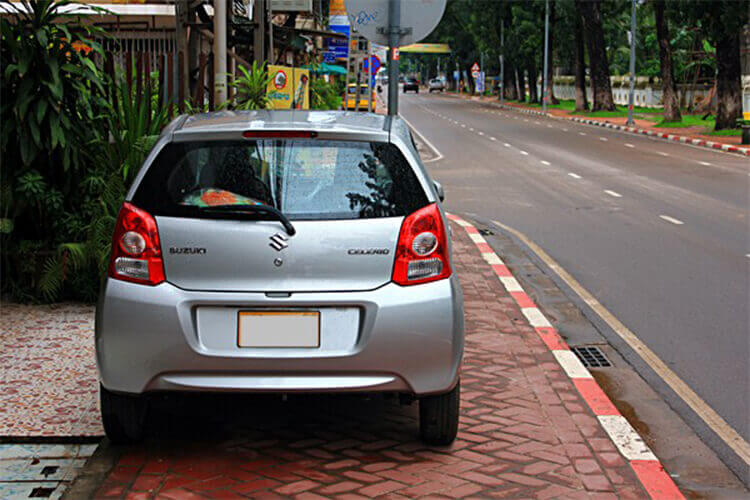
[(592, 357)]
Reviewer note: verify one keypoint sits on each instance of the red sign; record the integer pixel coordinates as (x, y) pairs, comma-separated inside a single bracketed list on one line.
[(474, 68), (396, 55)]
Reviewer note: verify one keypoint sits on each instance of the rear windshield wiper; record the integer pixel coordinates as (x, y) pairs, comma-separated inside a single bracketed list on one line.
[(249, 209)]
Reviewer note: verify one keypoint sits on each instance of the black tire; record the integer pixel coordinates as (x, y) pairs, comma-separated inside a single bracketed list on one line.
[(438, 417), (123, 416)]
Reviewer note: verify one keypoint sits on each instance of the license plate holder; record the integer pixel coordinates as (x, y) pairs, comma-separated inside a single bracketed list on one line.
[(278, 329)]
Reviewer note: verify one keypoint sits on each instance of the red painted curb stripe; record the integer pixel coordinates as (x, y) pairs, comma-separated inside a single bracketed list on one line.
[(655, 479), (650, 473), (484, 247), (551, 338), (595, 397)]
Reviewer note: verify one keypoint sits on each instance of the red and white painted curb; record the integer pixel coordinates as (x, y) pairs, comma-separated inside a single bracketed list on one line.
[(646, 466), (729, 148)]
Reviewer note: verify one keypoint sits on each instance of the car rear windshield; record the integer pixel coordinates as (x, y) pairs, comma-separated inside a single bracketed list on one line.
[(303, 178)]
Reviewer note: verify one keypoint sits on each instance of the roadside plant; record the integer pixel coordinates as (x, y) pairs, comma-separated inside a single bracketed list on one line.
[(250, 88), (323, 95)]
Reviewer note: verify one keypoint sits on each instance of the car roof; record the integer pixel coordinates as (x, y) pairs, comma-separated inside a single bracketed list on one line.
[(320, 121)]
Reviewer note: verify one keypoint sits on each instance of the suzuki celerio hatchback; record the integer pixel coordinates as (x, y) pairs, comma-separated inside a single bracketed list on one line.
[(281, 251)]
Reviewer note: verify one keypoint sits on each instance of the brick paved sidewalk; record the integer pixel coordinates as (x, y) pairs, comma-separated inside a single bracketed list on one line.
[(525, 431)]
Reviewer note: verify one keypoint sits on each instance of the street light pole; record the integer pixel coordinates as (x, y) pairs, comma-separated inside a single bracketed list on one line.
[(220, 53), (394, 36), (631, 94), (502, 63), (546, 57)]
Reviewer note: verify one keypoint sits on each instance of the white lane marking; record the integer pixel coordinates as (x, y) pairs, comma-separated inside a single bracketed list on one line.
[(439, 155), (471, 129), (628, 145), (613, 193), (747, 255), (565, 130), (525, 119), (628, 441), (667, 218), (492, 139), (538, 123), (462, 125), (603, 139), (480, 133), (506, 145), (727, 433), (535, 317), (545, 162), (571, 364), (581, 133), (524, 153), (575, 176), (511, 284), (662, 153), (705, 163), (549, 126)]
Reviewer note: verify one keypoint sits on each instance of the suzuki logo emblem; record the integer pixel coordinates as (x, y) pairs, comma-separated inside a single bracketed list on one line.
[(278, 242)]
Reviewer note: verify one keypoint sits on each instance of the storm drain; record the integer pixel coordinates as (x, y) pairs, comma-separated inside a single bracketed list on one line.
[(41, 492), (486, 232), (591, 357)]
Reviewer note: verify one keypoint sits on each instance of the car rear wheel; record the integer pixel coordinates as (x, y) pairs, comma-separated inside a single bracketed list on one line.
[(438, 417), (123, 417)]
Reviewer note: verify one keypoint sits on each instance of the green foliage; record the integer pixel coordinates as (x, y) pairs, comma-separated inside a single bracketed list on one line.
[(324, 95), (251, 87), (71, 141)]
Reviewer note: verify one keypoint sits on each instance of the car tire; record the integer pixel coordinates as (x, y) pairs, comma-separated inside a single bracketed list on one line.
[(438, 417), (123, 416)]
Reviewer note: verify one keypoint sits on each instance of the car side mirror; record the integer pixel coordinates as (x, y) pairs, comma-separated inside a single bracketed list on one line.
[(439, 189)]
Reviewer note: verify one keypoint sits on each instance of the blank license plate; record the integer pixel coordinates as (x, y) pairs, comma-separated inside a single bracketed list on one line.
[(278, 329)]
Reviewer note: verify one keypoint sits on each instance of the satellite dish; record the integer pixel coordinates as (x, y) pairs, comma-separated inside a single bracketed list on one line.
[(370, 19)]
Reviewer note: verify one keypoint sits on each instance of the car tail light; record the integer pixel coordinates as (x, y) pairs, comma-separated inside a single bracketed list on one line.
[(422, 250), (136, 252)]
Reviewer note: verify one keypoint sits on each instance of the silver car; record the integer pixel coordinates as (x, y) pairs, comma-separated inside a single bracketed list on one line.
[(281, 251)]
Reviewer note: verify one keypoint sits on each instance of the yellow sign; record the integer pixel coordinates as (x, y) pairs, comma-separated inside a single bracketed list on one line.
[(336, 8), (289, 88), (428, 48)]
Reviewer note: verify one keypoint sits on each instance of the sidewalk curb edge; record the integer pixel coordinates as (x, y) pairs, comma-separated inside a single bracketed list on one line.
[(642, 460)]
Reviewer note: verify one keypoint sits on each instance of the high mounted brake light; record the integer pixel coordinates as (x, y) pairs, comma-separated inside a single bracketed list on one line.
[(136, 252), (422, 250), (279, 134)]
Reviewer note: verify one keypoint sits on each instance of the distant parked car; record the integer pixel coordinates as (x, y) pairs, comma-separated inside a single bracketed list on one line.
[(436, 84), (411, 84)]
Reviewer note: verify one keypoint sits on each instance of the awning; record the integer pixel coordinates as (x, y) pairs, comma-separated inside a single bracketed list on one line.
[(326, 69)]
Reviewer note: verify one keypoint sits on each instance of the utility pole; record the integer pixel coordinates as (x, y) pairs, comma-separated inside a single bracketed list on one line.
[(546, 57), (220, 52), (183, 60), (394, 35), (502, 63), (631, 94), (259, 31), (271, 57)]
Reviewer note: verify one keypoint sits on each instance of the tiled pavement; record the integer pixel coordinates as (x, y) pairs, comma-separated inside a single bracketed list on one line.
[(49, 383), (525, 431)]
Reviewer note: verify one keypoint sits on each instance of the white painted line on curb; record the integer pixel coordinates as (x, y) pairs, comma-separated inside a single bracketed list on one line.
[(493, 258), (477, 238), (571, 364), (613, 193), (626, 439), (672, 220), (511, 284), (545, 162), (535, 317), (575, 176)]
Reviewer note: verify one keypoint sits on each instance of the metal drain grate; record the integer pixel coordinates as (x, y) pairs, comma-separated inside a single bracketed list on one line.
[(486, 232), (592, 357), (41, 492)]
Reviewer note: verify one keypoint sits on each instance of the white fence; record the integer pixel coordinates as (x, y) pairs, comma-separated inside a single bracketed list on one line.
[(648, 97)]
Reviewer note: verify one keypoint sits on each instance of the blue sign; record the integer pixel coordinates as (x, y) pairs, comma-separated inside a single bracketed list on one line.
[(338, 48), (375, 67)]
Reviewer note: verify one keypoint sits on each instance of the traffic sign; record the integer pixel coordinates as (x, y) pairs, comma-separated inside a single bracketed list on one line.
[(375, 64), (418, 19), (475, 70)]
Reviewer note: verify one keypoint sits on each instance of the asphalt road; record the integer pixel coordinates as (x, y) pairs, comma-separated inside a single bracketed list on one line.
[(657, 231)]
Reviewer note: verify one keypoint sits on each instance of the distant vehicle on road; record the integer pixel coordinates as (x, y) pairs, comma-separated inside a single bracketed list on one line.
[(436, 85), (411, 83), (350, 104), (281, 251)]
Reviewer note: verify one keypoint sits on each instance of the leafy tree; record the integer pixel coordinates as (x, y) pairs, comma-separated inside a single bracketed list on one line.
[(598, 62)]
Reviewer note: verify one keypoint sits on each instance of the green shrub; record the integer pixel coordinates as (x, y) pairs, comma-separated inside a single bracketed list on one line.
[(251, 88), (324, 95)]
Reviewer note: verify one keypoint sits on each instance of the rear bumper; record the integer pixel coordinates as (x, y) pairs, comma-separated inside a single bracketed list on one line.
[(408, 339)]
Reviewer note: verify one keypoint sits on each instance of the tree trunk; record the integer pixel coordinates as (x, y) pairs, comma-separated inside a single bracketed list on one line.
[(533, 75), (521, 93), (728, 88), (551, 99), (582, 103), (671, 103), (601, 84), (510, 85)]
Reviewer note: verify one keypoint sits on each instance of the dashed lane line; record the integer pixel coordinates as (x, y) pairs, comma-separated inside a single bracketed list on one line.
[(628, 145), (575, 176), (705, 163), (614, 194), (603, 139), (525, 153), (545, 162), (674, 221)]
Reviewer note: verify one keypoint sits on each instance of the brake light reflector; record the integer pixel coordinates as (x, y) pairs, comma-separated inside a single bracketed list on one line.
[(136, 251), (280, 134), (422, 250)]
